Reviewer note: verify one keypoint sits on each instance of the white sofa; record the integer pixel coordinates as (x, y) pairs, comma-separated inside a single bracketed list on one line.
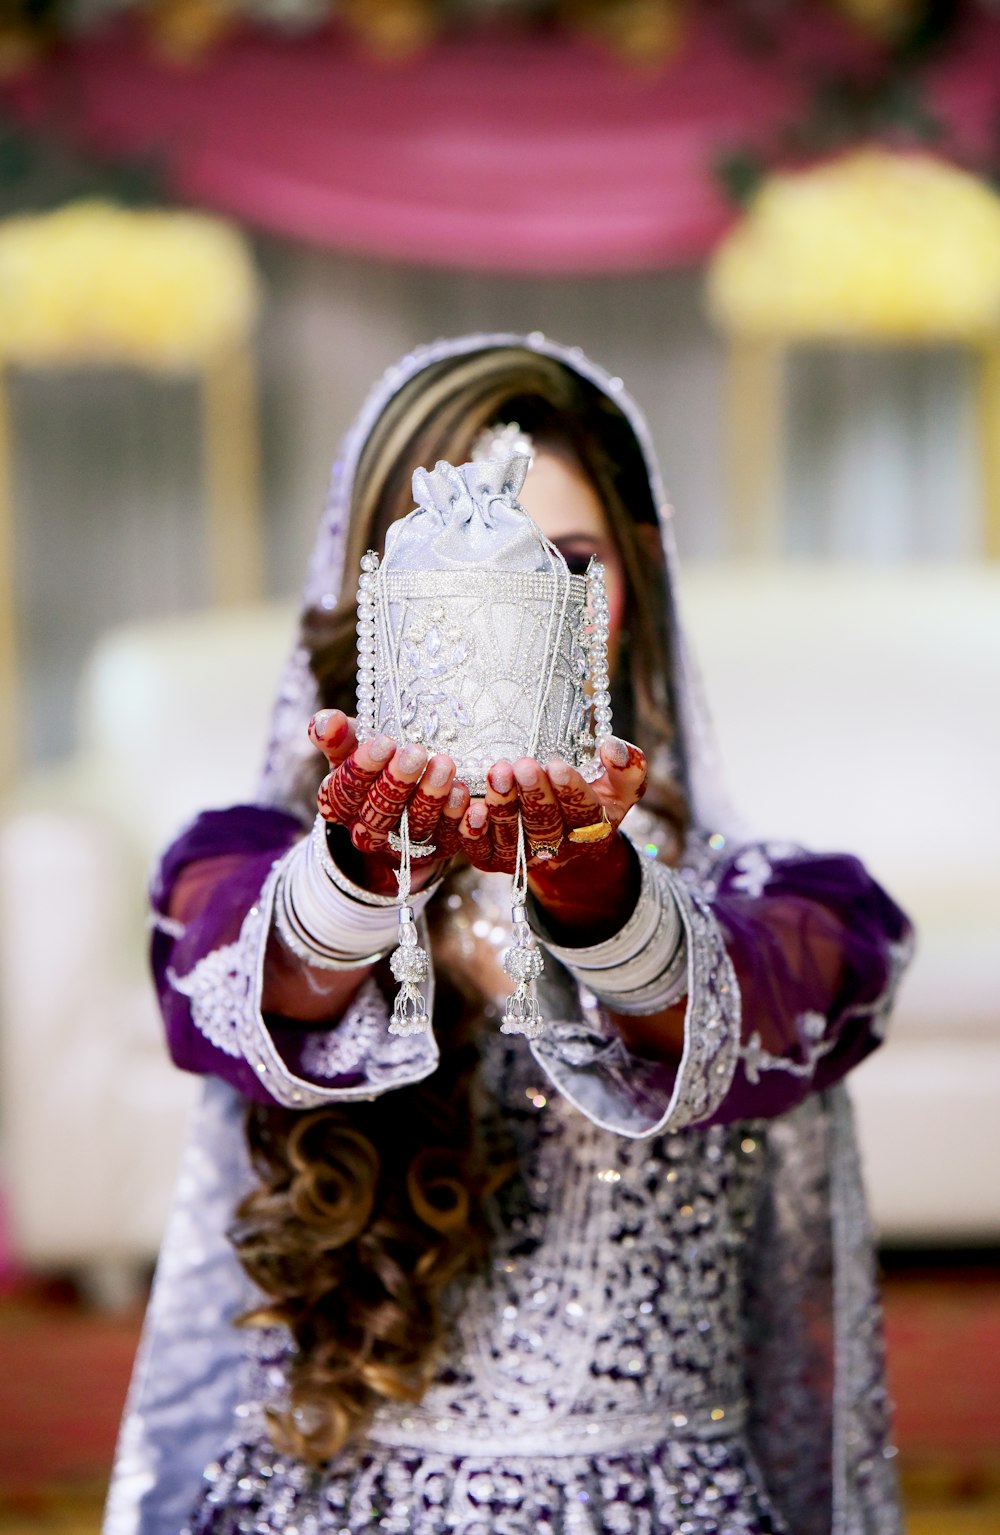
[(857, 708), (171, 717)]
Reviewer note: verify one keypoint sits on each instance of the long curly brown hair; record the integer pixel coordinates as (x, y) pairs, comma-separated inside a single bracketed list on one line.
[(361, 1219), (364, 1216)]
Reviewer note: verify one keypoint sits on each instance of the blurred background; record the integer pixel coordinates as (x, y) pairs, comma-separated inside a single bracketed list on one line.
[(779, 221)]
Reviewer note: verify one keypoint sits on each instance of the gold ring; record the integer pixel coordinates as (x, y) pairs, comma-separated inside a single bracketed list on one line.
[(597, 831), (543, 850)]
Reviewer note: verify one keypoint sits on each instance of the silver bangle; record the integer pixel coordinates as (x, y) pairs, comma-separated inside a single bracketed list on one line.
[(305, 947), (642, 968), (324, 918), (336, 875)]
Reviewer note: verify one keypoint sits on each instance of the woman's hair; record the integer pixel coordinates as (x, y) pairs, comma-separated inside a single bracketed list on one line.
[(364, 1215), (360, 1219)]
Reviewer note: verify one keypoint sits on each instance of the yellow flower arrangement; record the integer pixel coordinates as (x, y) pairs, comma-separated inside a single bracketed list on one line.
[(94, 283), (874, 245)]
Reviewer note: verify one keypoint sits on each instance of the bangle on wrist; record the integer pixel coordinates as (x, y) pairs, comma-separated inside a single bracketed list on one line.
[(642, 968), (324, 918)]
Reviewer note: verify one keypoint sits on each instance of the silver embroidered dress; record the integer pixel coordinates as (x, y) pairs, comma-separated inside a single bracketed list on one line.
[(679, 1330)]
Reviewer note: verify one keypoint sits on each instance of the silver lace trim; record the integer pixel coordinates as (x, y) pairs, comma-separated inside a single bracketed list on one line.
[(361, 1043), (218, 989), (225, 989)]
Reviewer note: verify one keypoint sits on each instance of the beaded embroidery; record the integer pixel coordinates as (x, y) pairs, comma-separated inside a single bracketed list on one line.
[(595, 1384)]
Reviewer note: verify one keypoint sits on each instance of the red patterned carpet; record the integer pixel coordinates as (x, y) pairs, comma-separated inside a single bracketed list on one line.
[(65, 1371)]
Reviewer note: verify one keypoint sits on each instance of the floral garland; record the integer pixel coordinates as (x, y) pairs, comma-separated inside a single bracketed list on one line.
[(642, 31), (874, 245), (95, 283)]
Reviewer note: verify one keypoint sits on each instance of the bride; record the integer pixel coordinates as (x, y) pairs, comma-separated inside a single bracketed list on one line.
[(618, 1279)]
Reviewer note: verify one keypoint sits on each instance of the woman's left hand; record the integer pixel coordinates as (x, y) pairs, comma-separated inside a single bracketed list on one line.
[(582, 885)]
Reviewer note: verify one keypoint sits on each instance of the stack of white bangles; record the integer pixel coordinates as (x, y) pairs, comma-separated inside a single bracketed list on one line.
[(328, 921), (642, 968)]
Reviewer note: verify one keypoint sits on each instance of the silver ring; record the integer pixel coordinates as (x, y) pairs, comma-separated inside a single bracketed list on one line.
[(417, 849)]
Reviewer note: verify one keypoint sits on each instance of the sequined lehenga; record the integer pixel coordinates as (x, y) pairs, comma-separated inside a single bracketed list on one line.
[(679, 1329)]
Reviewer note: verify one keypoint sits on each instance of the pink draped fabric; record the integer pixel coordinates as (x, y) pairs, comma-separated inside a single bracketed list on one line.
[(497, 151)]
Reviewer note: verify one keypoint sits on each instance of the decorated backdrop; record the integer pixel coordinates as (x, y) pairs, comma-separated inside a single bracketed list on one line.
[(599, 136)]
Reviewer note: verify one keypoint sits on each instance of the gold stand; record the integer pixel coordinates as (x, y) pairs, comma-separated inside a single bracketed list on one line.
[(232, 477), (10, 700), (755, 426), (988, 421), (755, 417), (231, 458)]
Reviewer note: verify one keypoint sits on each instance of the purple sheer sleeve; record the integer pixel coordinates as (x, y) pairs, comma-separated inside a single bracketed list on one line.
[(209, 977), (818, 948), (793, 961)]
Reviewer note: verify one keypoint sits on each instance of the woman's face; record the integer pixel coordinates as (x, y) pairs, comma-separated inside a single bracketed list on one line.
[(560, 498)]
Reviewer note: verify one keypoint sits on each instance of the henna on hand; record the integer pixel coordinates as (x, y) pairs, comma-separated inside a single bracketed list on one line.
[(332, 732), (540, 812), (578, 802), (427, 804), (588, 890), (474, 830), (345, 789), (625, 773), (448, 834), (387, 798), (503, 812)]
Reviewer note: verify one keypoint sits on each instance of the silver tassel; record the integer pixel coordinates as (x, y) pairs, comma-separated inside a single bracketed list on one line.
[(523, 963), (409, 964)]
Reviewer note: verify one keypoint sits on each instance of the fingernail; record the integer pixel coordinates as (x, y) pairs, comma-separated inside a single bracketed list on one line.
[(501, 776), (438, 773), (615, 748), (381, 748), (526, 774), (456, 800), (477, 816), (559, 771), (411, 758), (320, 721)]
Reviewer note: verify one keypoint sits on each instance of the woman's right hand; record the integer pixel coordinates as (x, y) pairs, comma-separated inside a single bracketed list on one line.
[(370, 785)]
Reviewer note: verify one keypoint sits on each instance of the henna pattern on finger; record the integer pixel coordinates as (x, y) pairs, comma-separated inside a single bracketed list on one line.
[(448, 836), (543, 821), (344, 791), (503, 825), (424, 816), (579, 804), (387, 798), (427, 805), (327, 736)]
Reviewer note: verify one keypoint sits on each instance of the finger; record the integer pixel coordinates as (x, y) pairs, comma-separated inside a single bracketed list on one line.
[(474, 834), (333, 733), (624, 779), (502, 810), (343, 791), (388, 797), (448, 836), (543, 819), (427, 803), (579, 803)]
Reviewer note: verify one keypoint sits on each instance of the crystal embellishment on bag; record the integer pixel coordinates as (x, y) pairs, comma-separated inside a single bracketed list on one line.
[(475, 639)]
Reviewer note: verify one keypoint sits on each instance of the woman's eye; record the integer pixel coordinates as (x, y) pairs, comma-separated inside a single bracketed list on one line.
[(577, 560)]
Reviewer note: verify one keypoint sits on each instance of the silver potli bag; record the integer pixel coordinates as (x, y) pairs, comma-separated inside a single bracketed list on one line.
[(474, 639)]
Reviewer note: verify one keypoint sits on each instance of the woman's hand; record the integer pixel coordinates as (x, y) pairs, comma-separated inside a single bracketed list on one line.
[(587, 889), (370, 785)]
